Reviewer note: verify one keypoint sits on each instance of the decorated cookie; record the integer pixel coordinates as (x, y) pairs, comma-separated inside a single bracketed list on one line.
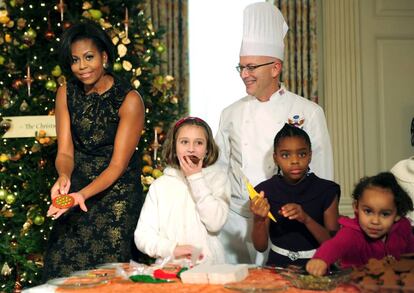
[(63, 201)]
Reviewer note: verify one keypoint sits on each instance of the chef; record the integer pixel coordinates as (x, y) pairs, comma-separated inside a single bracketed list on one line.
[(248, 126)]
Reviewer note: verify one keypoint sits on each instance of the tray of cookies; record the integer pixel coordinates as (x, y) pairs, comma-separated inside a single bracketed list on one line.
[(386, 275)]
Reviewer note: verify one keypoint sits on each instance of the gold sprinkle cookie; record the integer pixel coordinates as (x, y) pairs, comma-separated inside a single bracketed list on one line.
[(63, 201)]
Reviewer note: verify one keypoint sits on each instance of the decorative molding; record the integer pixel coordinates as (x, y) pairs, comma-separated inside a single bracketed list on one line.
[(399, 8), (343, 93)]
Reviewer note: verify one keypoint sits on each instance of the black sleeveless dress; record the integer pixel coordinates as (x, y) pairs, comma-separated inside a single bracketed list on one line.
[(80, 240), (315, 195)]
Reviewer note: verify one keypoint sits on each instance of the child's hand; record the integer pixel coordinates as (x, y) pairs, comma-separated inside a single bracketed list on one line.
[(79, 200), (184, 251), (293, 211), (316, 267), (188, 167), (259, 206)]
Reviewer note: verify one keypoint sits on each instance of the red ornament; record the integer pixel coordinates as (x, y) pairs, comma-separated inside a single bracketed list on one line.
[(49, 35), (17, 83), (67, 25), (161, 137)]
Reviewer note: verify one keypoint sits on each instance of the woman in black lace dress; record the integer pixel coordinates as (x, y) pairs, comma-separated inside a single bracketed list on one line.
[(99, 121)]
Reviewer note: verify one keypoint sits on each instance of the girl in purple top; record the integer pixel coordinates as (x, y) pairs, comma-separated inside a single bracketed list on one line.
[(305, 206), (379, 228)]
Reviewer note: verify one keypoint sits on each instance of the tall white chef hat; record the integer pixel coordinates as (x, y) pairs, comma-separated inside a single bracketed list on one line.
[(263, 31)]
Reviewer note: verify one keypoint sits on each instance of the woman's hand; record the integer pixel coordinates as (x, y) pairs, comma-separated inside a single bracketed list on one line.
[(188, 167), (61, 186), (293, 211), (316, 267), (79, 200), (259, 206), (185, 251)]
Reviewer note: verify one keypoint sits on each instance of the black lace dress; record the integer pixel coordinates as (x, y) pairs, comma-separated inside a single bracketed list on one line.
[(80, 240)]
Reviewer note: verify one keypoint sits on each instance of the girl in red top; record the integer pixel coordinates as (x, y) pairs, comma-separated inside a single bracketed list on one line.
[(379, 228)]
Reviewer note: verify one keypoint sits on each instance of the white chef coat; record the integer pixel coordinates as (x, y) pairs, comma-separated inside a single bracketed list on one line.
[(245, 137), (182, 210)]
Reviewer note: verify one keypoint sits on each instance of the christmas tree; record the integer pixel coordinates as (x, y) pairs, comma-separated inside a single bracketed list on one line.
[(29, 77)]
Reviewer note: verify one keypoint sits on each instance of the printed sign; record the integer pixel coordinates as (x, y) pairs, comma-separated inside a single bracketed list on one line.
[(28, 126)]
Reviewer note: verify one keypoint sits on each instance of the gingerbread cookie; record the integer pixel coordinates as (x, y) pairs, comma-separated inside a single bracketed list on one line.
[(389, 278)]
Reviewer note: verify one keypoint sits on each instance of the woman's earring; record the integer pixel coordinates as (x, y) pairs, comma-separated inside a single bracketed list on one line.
[(105, 65)]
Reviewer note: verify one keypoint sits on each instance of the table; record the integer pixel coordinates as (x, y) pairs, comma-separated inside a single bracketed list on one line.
[(118, 285)]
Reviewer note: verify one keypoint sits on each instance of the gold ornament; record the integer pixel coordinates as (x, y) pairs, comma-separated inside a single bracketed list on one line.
[(5, 124), (122, 50), (86, 5), (156, 173), (174, 100), (26, 226), (24, 106), (126, 41), (136, 83), (4, 16), (6, 270), (147, 159), (117, 67), (39, 220), (115, 40), (126, 65), (4, 158), (51, 85), (147, 170), (21, 23), (10, 198), (7, 213), (3, 193), (95, 13), (61, 80), (56, 71)]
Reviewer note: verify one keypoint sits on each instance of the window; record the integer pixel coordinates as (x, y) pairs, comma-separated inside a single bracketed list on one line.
[(215, 33)]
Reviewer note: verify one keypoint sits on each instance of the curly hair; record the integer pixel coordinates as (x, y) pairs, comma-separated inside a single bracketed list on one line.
[(386, 180)]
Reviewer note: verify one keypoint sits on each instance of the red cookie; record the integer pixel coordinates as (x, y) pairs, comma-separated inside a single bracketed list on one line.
[(63, 201)]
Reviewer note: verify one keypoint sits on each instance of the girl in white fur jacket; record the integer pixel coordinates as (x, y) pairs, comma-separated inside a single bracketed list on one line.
[(186, 207)]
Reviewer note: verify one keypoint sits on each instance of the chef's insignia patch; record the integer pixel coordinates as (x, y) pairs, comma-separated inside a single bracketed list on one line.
[(296, 121)]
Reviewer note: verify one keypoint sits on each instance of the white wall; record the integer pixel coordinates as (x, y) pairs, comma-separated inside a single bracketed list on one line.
[(215, 32)]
